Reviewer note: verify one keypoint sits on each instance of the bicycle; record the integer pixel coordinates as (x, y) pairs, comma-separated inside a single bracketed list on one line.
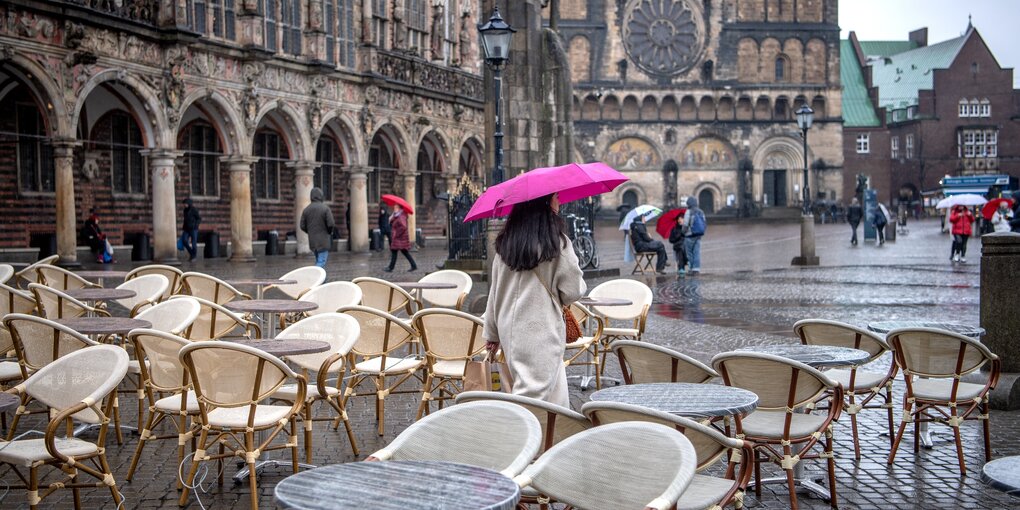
[(582, 241)]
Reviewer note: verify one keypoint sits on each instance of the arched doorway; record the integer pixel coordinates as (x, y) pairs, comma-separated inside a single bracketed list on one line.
[(630, 199), (706, 200), (384, 161), (470, 161)]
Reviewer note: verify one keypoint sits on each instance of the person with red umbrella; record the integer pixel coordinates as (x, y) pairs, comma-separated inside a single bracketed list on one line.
[(961, 218), (400, 239), (1001, 216)]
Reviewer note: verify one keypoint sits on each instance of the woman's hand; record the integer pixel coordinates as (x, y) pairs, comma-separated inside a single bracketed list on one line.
[(492, 347)]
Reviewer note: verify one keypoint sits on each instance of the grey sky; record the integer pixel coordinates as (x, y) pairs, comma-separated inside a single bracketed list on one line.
[(997, 20)]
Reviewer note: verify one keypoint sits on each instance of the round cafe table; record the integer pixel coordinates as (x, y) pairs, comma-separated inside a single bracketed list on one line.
[(689, 400), (884, 327), (103, 325), (101, 274), (260, 284), (817, 356), (268, 309), (604, 301), (425, 285), (100, 294), (398, 485), (284, 346), (588, 377)]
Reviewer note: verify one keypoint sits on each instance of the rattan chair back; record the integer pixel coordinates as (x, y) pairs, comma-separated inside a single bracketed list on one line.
[(306, 278), (210, 288), (339, 330), (638, 293), (38, 341), (55, 304), (172, 274), (148, 289), (643, 362), (449, 335), (164, 371), (381, 333), (174, 316), (332, 296), (936, 353), (383, 295), (840, 334), (447, 298), (85, 376), (558, 423), (780, 383), (60, 278), (215, 321), (230, 375)]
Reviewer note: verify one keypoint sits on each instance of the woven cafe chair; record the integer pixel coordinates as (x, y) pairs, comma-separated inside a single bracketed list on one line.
[(6, 272), (381, 336), (934, 363), (705, 491), (55, 304), (451, 338), (644, 261), (210, 288), (230, 380), (634, 316), (643, 362), (149, 290), (445, 298), (72, 387), (216, 321), (172, 274), (464, 434), (332, 296), (776, 427), (307, 278), (29, 275), (383, 295), (586, 349), (558, 423), (859, 386), (621, 465), (167, 389), (11, 301), (340, 331), (62, 279)]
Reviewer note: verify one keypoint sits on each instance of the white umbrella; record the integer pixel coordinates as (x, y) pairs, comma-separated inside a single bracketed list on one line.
[(646, 212), (967, 199)]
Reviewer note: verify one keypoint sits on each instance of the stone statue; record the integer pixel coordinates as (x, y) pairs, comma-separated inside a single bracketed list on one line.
[(438, 30), (464, 38), (399, 26)]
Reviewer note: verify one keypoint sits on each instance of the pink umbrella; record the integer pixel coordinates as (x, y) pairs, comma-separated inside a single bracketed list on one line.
[(572, 182)]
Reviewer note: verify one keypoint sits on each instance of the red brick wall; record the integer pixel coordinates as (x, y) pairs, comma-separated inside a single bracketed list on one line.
[(874, 164)]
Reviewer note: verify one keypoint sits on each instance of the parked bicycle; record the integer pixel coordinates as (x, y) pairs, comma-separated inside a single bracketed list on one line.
[(581, 238)]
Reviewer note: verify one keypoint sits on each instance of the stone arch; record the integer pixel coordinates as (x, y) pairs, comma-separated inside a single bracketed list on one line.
[(439, 140), (347, 134), (470, 161), (782, 152), (814, 61), (781, 109), (770, 51), (575, 110), (711, 191), (47, 95), (688, 108), (610, 108), (725, 110), (763, 108), (745, 109), (590, 109), (141, 101), (706, 108), (794, 51), (630, 111), (747, 60), (580, 59), (289, 123), (217, 110), (818, 105), (631, 189), (669, 109), (649, 108)]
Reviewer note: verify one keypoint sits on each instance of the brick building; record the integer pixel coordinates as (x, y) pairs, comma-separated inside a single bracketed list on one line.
[(129, 107), (696, 98), (916, 112)]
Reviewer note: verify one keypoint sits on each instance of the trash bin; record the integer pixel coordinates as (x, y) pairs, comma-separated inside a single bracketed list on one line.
[(375, 240), (272, 243), (890, 231), (418, 238), (140, 249), (212, 245), (47, 244)]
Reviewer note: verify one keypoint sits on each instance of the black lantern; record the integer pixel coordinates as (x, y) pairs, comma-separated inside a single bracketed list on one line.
[(805, 116), (496, 36)]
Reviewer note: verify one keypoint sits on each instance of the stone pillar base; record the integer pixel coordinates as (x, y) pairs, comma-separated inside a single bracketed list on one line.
[(807, 242), (68, 264)]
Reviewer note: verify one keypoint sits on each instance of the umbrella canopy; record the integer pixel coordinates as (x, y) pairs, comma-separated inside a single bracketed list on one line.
[(572, 182), (967, 199), (666, 222), (392, 200), (645, 212), (989, 209)]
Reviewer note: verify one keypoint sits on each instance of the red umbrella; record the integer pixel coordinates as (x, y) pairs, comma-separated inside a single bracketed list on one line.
[(667, 221), (993, 205), (392, 200)]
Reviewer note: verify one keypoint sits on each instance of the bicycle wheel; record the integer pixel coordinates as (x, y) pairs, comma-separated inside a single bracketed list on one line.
[(584, 247)]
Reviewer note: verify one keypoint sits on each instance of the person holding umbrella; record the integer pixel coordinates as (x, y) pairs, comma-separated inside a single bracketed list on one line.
[(400, 239), (671, 226), (1001, 216), (643, 242), (961, 219)]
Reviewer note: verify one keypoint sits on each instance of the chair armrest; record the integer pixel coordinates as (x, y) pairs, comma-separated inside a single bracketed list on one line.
[(139, 305), (323, 375)]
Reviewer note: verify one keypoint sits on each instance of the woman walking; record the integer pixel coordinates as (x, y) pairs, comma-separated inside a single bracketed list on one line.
[(534, 274), (400, 241), (961, 219)]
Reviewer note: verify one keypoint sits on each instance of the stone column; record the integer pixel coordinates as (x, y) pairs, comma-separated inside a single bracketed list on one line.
[(359, 209), (164, 204), (409, 195), (240, 206), (67, 226), (303, 172), (1000, 270)]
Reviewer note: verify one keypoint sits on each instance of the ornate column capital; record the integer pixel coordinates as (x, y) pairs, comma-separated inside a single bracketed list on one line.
[(238, 163), (303, 167), (161, 155), (64, 147), (359, 172)]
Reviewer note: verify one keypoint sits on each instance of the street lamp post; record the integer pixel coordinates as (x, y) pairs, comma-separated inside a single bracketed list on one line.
[(495, 35), (805, 116)]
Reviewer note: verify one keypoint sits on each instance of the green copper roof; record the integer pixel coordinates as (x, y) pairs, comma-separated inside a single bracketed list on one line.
[(857, 108), (885, 48), (900, 76)]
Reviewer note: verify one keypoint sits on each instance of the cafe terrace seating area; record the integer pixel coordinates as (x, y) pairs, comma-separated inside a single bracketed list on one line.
[(239, 387)]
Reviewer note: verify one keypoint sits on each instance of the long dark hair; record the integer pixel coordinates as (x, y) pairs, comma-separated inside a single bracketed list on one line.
[(533, 234)]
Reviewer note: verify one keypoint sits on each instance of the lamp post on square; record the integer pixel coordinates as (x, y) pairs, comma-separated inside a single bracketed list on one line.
[(495, 35), (805, 117)]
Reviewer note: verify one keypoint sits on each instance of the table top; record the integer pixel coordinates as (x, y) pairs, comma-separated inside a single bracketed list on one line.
[(953, 327), (8, 402), (103, 325), (1003, 474), (425, 285), (100, 294), (817, 356), (270, 305), (261, 281), (101, 273), (284, 346), (689, 400), (604, 301), (398, 485)]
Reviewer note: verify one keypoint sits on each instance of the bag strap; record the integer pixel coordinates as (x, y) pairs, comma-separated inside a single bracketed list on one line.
[(546, 287)]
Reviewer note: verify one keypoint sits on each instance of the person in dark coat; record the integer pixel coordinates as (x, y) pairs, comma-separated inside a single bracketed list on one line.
[(880, 220), (317, 222), (643, 242), (400, 240), (94, 236), (676, 238), (854, 213), (189, 232), (384, 223)]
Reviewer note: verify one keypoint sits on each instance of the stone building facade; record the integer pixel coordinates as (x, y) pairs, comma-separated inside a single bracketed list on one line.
[(697, 98), (126, 108)]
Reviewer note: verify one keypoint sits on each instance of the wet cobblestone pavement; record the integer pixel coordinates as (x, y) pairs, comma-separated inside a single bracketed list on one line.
[(747, 295)]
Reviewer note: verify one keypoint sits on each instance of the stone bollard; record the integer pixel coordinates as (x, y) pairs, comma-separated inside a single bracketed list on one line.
[(1000, 304)]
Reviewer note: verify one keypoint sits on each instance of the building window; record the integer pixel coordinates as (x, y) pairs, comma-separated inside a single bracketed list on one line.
[(894, 147), (329, 21), (35, 156), (327, 154), (979, 143), (416, 24), (782, 68), (864, 143), (910, 146), (380, 22), (964, 108), (985, 108), (290, 26), (200, 18), (204, 160), (223, 18), (267, 9), (345, 33), (126, 162), (271, 153)]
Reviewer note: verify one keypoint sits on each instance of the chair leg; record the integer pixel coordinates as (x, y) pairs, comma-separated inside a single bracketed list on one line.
[(347, 424), (917, 431), (757, 475), (142, 437), (423, 407), (889, 410), (959, 441), (33, 488), (249, 446), (853, 427), (985, 424), (899, 433), (105, 466), (294, 449), (140, 394), (831, 461), (116, 419), (76, 491), (183, 500), (598, 368), (307, 423)]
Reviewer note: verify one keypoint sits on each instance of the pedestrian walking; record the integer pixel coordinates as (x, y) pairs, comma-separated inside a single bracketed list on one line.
[(854, 213), (1001, 217), (880, 220), (189, 232), (384, 224), (694, 228), (534, 274), (317, 222), (643, 242), (676, 238), (961, 219), (400, 240)]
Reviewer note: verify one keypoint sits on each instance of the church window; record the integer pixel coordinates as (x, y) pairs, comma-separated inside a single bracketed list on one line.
[(272, 155), (35, 157), (203, 155), (127, 164), (782, 69)]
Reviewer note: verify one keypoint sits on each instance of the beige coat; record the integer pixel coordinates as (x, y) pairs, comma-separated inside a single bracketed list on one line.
[(522, 318)]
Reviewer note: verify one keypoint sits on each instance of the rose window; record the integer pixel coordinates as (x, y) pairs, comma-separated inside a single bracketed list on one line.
[(663, 37)]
